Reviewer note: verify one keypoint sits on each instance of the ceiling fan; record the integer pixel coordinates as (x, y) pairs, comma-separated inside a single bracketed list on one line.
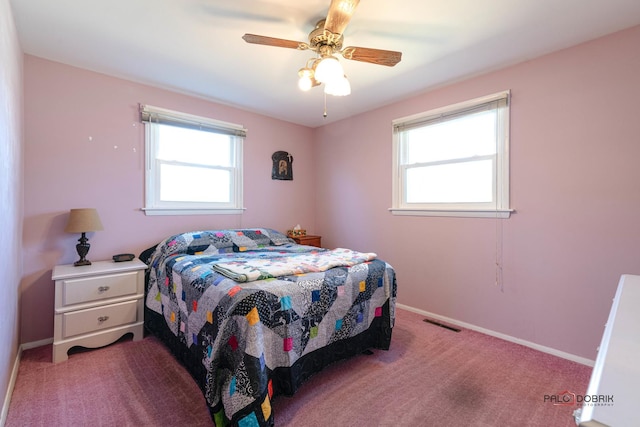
[(326, 40)]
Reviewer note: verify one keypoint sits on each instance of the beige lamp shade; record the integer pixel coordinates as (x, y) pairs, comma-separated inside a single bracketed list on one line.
[(83, 220)]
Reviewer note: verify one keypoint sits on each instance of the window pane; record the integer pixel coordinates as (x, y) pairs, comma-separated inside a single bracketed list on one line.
[(194, 184), (466, 182), (193, 146), (463, 137)]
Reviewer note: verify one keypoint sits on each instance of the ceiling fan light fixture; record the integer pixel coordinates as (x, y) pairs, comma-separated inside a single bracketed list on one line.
[(338, 87), (326, 40), (329, 69)]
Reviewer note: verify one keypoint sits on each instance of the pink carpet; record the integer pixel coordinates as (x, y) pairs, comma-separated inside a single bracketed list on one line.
[(430, 377)]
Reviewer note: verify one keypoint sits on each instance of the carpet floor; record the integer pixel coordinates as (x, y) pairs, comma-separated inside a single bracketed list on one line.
[(431, 376)]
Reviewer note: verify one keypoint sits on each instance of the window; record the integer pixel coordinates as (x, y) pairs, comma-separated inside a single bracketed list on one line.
[(453, 161), (193, 164)]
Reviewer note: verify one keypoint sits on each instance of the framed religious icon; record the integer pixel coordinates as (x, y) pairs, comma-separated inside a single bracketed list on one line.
[(282, 166)]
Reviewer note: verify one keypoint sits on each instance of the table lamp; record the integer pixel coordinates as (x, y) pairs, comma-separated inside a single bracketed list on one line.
[(83, 221)]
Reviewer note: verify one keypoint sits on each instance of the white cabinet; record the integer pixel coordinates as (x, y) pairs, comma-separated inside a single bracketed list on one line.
[(97, 304), (612, 397)]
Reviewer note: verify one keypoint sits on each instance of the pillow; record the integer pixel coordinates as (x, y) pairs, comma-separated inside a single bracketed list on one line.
[(257, 235), (242, 241), (277, 238)]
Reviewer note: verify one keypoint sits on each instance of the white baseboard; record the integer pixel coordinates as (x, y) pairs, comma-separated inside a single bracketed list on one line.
[(12, 383), (34, 344), (549, 350)]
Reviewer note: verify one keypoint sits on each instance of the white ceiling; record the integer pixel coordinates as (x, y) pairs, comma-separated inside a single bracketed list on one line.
[(195, 46)]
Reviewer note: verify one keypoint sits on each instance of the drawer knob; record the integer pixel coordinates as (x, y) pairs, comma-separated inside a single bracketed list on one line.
[(102, 289), (102, 319)]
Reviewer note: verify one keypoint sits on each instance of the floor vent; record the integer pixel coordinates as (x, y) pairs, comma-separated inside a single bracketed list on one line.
[(442, 325)]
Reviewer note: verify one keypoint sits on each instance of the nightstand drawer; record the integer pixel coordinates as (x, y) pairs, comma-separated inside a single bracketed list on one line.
[(308, 240), (87, 289), (95, 319)]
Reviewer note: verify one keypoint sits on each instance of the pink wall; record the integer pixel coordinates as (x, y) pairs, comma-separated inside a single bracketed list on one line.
[(575, 184), (84, 148), (11, 158)]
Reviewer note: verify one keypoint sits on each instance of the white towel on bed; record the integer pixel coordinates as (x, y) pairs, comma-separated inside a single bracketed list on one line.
[(247, 270)]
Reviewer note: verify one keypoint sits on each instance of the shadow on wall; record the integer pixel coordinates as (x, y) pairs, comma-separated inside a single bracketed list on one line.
[(45, 244), (36, 306)]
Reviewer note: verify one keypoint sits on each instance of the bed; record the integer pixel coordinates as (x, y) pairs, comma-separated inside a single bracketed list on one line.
[(252, 315)]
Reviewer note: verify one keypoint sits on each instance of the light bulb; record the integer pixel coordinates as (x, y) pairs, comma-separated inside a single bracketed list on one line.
[(304, 83), (329, 69), (306, 79)]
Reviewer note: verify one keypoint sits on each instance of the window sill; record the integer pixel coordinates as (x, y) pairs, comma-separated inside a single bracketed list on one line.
[(191, 211), (501, 213)]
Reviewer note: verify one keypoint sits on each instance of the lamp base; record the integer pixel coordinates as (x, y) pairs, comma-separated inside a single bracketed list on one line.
[(83, 249)]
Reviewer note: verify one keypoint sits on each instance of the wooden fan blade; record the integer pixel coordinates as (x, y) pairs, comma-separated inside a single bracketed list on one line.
[(373, 56), (272, 41), (339, 15)]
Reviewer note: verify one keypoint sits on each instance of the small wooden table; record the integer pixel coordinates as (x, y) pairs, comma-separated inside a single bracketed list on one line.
[(308, 240)]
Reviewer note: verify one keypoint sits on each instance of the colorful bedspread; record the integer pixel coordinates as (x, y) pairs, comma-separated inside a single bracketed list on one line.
[(243, 332)]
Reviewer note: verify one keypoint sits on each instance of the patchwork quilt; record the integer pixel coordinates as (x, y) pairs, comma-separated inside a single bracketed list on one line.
[(290, 307)]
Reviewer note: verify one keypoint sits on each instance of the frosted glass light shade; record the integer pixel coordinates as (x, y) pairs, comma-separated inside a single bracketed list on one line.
[(329, 69), (338, 87)]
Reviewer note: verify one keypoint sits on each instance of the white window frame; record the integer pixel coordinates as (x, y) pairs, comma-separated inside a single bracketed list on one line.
[(499, 208), (153, 116)]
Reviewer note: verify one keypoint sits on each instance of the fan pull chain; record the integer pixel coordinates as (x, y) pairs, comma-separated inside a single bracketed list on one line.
[(324, 114)]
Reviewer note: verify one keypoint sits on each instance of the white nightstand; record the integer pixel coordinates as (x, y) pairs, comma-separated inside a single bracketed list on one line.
[(97, 304)]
